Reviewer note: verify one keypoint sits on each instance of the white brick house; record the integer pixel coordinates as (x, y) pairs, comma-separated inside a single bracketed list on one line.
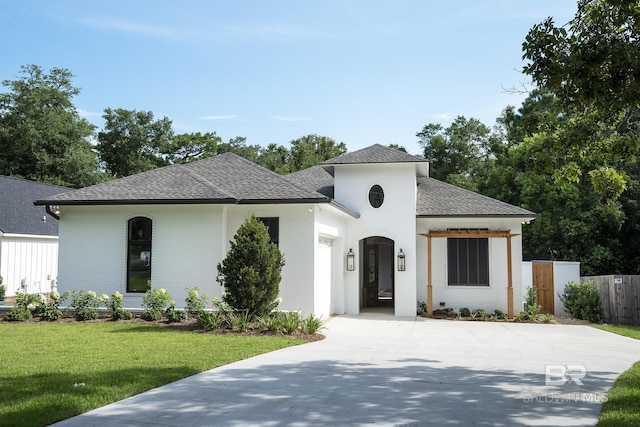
[(411, 238)]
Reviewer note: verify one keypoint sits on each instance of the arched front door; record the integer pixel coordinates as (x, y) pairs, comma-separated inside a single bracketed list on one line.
[(377, 277)]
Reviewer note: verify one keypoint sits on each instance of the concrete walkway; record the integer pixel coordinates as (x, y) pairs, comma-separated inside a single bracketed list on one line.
[(376, 369)]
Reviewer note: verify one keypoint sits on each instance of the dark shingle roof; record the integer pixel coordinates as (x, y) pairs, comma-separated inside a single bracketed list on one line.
[(439, 199), (226, 178), (375, 154), (315, 178), (18, 215)]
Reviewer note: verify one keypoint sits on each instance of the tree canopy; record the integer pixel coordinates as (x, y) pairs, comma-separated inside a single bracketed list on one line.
[(42, 136)]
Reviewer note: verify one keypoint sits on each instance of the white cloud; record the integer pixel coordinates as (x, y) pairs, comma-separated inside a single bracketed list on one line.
[(221, 117), (85, 113), (290, 119), (155, 31)]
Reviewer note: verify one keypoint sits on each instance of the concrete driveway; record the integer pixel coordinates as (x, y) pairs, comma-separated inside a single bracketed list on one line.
[(376, 369)]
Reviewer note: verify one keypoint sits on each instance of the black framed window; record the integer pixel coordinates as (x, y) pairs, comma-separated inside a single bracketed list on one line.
[(468, 261), (273, 225), (139, 254)]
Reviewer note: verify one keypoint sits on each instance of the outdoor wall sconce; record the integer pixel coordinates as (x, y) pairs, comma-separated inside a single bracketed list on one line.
[(351, 260), (401, 264)]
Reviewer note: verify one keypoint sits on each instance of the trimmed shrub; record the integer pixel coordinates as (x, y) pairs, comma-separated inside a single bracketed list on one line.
[(84, 305), (251, 272), (582, 301), (464, 312)]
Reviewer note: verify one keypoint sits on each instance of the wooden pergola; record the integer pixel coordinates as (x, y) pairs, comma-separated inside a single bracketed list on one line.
[(470, 234)]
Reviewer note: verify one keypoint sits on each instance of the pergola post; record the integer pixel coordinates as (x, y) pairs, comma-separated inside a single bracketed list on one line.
[(509, 279), (429, 279)]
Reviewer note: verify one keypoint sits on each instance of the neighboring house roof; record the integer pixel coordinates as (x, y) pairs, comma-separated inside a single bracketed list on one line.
[(226, 178), (18, 215), (439, 199), (375, 154)]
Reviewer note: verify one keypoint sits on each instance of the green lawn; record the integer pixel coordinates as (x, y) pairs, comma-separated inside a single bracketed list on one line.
[(622, 407), (45, 364)]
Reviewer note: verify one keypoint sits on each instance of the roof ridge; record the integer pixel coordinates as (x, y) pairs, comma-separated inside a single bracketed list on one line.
[(284, 177), (198, 177)]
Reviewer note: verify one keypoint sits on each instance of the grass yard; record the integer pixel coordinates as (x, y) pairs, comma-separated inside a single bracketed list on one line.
[(622, 407), (52, 371)]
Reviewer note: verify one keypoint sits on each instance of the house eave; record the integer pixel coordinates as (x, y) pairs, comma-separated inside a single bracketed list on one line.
[(520, 216)]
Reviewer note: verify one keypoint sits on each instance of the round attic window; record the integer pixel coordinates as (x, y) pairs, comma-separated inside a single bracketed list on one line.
[(376, 196)]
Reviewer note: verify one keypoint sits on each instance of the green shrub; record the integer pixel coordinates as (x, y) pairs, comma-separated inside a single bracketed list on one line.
[(195, 302), (291, 321), (547, 318), (24, 307), (18, 314), (422, 308), (210, 320), (532, 308), (84, 305), (251, 272), (3, 290), (155, 302), (498, 314), (482, 314), (582, 301), (50, 310), (464, 312), (311, 324), (114, 304), (175, 316), (239, 320)]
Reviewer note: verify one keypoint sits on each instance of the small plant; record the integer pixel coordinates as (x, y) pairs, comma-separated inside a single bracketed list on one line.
[(422, 308), (50, 310), (155, 302), (3, 290), (464, 312), (499, 314), (115, 306), (291, 321), (195, 302), (272, 322), (532, 308), (523, 315), (482, 314), (311, 324), (84, 305), (175, 316), (582, 301), (240, 320), (547, 318), (210, 320)]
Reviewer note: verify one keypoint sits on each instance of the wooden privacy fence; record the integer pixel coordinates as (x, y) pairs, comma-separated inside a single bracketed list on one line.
[(620, 297)]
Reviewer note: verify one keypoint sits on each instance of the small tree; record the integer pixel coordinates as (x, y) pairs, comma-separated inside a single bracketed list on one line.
[(251, 272), (582, 301)]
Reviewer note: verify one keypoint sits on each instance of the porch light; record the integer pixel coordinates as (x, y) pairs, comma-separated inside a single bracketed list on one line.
[(401, 264), (351, 260)]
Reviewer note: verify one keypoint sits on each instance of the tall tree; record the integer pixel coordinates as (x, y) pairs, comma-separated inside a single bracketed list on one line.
[(311, 150), (42, 136), (454, 152), (189, 147), (592, 66), (132, 142), (276, 158)]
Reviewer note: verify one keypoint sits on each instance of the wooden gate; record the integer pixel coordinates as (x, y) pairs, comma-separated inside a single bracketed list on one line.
[(542, 272)]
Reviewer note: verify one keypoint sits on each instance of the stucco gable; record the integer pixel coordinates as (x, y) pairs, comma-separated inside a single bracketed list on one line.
[(18, 215)]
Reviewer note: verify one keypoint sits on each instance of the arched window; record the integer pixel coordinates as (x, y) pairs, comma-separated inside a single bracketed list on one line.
[(139, 255)]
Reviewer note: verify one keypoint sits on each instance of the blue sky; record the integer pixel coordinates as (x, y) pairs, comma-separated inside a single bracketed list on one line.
[(361, 72)]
